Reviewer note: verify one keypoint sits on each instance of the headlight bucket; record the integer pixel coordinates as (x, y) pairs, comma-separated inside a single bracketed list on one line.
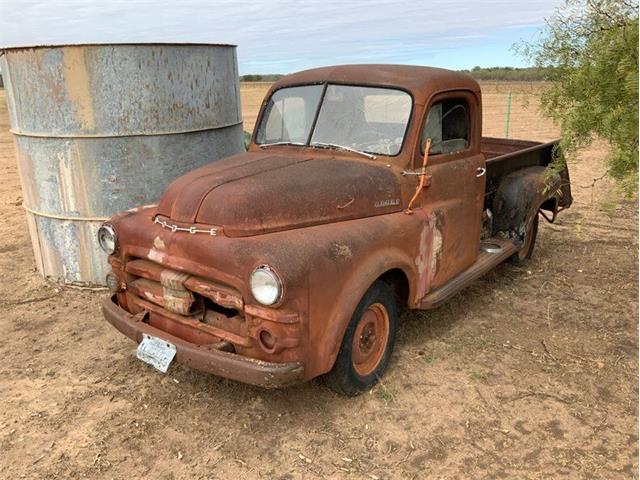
[(107, 238), (266, 286)]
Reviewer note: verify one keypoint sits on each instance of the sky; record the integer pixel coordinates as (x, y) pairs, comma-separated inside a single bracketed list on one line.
[(283, 36)]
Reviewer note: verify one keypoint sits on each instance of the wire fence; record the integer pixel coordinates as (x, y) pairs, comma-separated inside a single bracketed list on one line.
[(516, 114)]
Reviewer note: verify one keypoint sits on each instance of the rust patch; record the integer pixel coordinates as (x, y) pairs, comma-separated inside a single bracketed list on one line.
[(341, 251), (77, 83), (156, 256), (436, 250), (158, 243), (176, 297), (426, 254)]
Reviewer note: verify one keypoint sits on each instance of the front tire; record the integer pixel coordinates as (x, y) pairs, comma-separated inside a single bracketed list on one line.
[(522, 256), (367, 344)]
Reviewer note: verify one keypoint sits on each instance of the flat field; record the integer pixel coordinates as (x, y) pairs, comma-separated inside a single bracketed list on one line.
[(529, 373)]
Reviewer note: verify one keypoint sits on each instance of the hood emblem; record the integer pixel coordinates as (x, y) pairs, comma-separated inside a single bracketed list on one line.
[(387, 203)]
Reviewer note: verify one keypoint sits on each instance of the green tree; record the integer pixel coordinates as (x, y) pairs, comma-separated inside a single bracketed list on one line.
[(529, 74), (590, 50)]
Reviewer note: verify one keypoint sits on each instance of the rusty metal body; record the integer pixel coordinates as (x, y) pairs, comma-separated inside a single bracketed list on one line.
[(103, 128), (329, 222)]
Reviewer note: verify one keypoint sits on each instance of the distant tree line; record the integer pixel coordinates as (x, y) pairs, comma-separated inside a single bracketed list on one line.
[(480, 73), (512, 74), (256, 77)]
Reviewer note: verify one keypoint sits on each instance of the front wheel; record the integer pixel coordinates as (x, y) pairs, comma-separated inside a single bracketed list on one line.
[(367, 344), (522, 256)]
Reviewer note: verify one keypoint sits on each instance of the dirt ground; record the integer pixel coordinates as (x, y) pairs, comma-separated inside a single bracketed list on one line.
[(529, 373)]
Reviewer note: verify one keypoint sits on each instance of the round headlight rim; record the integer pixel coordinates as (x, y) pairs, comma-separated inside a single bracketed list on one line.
[(112, 231), (270, 270)]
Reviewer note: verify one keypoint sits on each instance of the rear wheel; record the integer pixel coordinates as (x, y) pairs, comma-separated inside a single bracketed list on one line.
[(367, 344), (522, 256)]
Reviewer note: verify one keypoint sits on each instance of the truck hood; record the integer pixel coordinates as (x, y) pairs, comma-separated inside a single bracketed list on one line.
[(260, 192)]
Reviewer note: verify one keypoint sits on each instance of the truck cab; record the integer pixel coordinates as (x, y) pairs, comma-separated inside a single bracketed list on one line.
[(365, 189)]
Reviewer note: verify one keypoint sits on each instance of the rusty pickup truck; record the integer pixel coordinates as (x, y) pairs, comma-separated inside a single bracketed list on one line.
[(365, 189)]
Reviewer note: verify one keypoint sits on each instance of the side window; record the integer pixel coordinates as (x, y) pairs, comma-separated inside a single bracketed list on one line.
[(447, 126)]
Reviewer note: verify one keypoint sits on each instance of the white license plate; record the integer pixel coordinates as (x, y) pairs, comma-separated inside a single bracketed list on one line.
[(156, 352)]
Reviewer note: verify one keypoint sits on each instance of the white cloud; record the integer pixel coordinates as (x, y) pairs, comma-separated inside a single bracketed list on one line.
[(277, 35)]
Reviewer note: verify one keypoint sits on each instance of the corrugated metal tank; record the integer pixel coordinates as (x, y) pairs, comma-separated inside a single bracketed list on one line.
[(104, 128)]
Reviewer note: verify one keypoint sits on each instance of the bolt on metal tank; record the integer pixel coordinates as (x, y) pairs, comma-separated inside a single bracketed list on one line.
[(105, 128)]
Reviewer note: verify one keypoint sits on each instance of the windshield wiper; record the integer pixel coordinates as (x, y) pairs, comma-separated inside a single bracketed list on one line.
[(262, 145), (342, 147)]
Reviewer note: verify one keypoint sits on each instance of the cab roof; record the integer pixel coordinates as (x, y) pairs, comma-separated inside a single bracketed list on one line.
[(421, 82)]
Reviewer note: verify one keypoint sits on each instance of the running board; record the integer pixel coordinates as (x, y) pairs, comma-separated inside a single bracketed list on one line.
[(492, 252)]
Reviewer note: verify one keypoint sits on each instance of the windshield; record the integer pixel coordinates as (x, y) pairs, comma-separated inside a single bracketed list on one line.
[(365, 119)]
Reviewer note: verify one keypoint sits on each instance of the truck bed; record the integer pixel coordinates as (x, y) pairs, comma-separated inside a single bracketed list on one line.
[(504, 156)]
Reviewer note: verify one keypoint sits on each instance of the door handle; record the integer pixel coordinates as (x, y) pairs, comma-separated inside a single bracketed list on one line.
[(480, 171)]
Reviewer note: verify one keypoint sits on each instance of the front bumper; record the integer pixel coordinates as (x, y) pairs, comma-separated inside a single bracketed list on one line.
[(204, 358)]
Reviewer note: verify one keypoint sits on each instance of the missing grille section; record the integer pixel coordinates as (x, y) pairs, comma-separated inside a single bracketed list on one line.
[(210, 305)]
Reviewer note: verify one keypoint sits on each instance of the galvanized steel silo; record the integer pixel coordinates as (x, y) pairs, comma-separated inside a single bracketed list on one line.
[(104, 128)]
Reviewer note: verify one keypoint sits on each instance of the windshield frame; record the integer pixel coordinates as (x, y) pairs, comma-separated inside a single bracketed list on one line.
[(325, 85)]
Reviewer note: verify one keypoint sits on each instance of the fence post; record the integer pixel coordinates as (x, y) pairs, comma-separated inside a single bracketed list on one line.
[(508, 119)]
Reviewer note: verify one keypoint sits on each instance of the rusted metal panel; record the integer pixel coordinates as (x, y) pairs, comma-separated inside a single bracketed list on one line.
[(342, 191), (104, 128), (208, 359), (519, 197)]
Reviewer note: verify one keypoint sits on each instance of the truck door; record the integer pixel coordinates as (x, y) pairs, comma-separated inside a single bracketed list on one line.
[(455, 197)]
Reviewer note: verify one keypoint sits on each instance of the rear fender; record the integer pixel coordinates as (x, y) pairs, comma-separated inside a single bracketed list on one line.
[(521, 195)]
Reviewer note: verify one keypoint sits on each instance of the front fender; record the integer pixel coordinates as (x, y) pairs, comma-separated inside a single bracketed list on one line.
[(349, 258), (354, 287)]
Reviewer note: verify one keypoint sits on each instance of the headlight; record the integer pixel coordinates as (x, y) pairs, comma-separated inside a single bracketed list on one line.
[(107, 238), (266, 287)]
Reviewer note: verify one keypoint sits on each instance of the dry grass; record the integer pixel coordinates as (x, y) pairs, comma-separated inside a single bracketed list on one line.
[(252, 94)]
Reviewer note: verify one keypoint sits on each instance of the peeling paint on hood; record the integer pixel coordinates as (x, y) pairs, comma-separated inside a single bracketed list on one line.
[(261, 192)]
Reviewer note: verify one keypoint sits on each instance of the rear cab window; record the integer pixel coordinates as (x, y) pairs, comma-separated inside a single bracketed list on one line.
[(448, 127)]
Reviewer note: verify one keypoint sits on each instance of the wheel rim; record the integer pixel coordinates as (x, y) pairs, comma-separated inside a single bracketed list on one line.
[(370, 339)]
